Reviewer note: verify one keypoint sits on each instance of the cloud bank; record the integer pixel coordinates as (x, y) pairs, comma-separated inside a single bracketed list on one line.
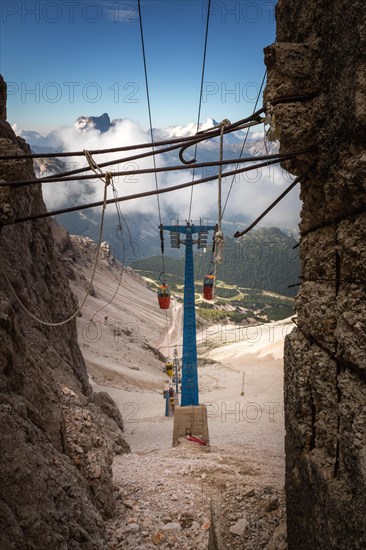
[(251, 192)]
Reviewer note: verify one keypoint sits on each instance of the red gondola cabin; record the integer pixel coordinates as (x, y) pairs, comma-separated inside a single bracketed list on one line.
[(208, 287), (164, 296)]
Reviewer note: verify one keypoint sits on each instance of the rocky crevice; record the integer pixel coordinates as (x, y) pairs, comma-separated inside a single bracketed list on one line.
[(57, 437)]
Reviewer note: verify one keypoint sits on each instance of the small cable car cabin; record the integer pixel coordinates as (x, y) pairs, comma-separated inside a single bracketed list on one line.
[(164, 296), (169, 369), (208, 287)]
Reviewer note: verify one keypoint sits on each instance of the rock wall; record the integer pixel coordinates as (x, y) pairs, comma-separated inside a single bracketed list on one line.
[(321, 48), (57, 438)]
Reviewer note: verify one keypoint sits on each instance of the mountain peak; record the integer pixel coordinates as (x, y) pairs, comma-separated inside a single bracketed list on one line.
[(85, 123)]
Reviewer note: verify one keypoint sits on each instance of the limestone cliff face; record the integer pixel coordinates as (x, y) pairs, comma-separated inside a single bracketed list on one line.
[(321, 48), (56, 443)]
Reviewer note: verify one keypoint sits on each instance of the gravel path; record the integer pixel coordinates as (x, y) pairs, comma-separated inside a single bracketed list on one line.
[(166, 497)]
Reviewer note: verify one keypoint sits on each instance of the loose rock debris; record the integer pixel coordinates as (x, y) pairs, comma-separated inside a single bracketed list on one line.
[(164, 500)]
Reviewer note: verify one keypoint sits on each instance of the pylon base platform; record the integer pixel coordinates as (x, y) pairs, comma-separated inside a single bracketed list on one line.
[(190, 420)]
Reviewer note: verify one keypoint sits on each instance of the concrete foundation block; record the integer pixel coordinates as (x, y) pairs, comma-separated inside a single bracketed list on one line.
[(190, 420)]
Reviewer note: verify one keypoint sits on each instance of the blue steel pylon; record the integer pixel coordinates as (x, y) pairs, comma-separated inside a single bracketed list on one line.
[(189, 394)]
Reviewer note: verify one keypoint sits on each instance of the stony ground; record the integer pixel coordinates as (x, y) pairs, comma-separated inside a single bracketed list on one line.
[(165, 498)]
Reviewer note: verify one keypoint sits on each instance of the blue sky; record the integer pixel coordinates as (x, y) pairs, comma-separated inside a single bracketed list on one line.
[(63, 59)]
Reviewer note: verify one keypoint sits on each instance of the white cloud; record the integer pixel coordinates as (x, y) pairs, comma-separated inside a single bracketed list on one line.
[(257, 135), (17, 130), (251, 193), (122, 134)]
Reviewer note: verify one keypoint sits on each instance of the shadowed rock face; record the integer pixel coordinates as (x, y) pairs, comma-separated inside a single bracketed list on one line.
[(321, 48), (57, 439)]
